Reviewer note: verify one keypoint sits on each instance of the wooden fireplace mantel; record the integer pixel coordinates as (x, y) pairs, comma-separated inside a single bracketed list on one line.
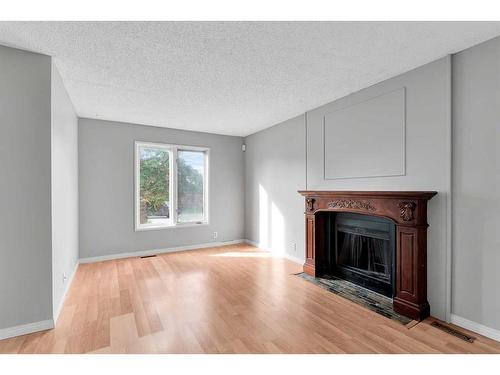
[(407, 209)]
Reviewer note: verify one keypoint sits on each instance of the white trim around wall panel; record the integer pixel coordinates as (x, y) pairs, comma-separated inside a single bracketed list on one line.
[(158, 251), (476, 327), (359, 123), (24, 329)]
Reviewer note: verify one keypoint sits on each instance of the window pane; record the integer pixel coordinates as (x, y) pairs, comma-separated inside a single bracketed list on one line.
[(154, 186), (191, 175)]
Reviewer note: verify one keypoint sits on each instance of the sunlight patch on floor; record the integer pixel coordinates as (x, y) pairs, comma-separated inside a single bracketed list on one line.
[(244, 254)]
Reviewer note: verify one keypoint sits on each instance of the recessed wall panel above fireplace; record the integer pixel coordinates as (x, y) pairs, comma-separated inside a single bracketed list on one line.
[(366, 139)]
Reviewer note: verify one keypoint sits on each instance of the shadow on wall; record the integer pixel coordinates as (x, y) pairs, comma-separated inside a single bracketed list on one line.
[(271, 225)]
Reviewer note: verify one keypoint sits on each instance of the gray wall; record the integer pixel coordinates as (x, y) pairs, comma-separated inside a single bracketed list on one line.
[(275, 159), (106, 186), (275, 168), (64, 137), (25, 188), (476, 183)]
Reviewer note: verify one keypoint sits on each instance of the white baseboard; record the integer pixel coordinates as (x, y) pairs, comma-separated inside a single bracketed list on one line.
[(253, 243), (24, 329), (294, 259), (286, 256), (66, 289), (476, 327), (158, 251)]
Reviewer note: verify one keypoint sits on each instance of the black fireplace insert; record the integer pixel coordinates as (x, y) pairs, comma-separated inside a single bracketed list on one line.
[(362, 250)]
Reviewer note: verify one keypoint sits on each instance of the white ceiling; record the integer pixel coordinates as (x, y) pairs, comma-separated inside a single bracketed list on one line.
[(230, 77)]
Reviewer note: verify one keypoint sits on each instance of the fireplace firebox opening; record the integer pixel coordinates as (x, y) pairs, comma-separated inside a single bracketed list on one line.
[(361, 249)]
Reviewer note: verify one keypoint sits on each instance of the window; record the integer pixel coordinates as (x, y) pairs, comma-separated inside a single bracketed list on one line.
[(171, 185)]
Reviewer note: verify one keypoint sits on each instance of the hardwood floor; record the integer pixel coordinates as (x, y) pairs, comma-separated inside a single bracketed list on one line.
[(233, 299)]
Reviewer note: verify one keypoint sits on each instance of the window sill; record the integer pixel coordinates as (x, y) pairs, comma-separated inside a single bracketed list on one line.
[(186, 225)]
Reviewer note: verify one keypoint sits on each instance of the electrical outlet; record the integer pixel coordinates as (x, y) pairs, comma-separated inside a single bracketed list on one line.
[(215, 235)]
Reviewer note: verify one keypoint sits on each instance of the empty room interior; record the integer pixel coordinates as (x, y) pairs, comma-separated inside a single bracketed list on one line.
[(249, 187)]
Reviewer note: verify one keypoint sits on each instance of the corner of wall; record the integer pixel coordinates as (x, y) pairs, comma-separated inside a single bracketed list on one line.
[(58, 308), (64, 190), (449, 197)]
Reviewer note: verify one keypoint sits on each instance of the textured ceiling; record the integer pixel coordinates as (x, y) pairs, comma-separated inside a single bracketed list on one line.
[(230, 77)]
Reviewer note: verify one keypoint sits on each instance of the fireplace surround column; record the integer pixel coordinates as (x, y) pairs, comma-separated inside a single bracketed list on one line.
[(407, 209)]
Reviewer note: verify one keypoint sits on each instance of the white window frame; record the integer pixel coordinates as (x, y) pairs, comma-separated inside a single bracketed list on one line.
[(173, 150)]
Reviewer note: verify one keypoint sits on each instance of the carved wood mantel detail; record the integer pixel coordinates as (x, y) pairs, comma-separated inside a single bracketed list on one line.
[(349, 203), (407, 209), (309, 204)]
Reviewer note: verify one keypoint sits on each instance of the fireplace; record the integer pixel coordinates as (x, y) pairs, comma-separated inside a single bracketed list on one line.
[(374, 239), (361, 249)]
